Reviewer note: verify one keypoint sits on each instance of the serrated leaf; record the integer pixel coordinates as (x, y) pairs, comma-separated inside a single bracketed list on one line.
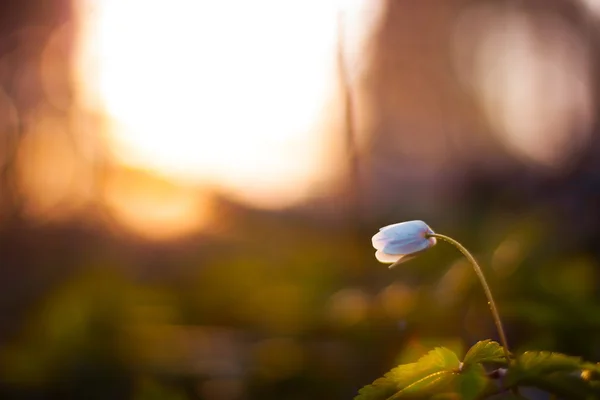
[(441, 357), (485, 351), (553, 372), (545, 362), (422, 378), (383, 388)]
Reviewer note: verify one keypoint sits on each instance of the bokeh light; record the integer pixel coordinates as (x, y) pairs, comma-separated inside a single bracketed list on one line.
[(52, 175), (531, 72), (155, 208), (225, 93)]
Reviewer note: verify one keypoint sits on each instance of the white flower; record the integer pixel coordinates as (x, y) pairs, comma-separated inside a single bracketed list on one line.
[(396, 243)]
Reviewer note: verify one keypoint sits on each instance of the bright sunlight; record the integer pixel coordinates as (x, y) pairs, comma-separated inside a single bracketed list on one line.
[(232, 95), (228, 93)]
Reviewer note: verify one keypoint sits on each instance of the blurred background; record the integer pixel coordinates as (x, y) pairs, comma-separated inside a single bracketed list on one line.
[(188, 190)]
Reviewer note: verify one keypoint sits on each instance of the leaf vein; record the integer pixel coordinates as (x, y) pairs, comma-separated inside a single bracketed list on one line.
[(434, 375)]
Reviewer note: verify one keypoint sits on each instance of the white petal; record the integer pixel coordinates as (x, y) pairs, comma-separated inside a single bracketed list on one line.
[(412, 227), (387, 258), (406, 245), (399, 242), (379, 240)]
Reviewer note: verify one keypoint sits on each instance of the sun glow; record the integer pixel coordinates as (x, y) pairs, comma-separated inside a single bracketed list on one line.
[(225, 93), (234, 96)]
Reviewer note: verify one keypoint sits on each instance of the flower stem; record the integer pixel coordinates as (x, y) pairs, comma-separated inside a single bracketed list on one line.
[(486, 288)]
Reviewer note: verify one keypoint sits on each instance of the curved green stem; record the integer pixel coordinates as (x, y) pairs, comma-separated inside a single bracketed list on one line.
[(486, 288)]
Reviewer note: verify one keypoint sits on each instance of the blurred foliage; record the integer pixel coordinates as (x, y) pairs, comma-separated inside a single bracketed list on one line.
[(281, 316)]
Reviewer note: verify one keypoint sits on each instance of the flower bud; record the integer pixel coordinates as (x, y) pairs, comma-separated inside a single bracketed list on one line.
[(398, 242)]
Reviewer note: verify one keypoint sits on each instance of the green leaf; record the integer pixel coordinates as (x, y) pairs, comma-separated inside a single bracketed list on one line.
[(553, 372), (532, 363), (472, 382), (429, 374), (485, 351), (440, 357), (425, 387), (445, 396), (385, 387)]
